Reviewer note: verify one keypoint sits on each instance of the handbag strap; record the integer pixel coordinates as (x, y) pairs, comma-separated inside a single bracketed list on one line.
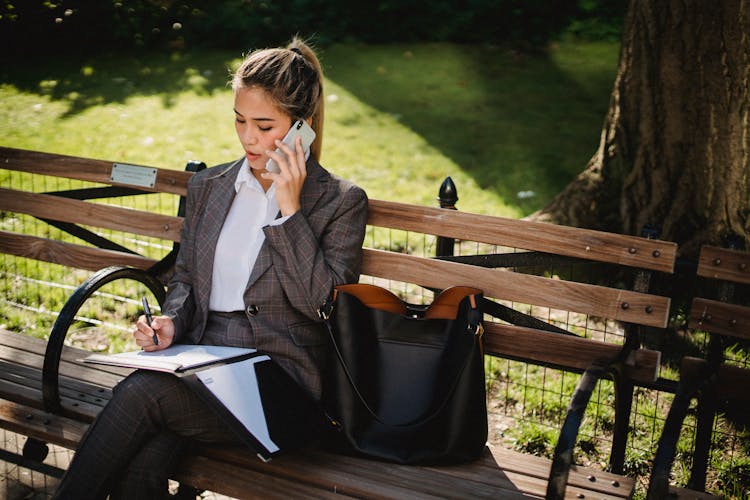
[(474, 327)]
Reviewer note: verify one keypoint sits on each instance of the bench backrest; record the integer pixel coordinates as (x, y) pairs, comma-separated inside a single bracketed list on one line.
[(721, 316), (549, 292), (555, 293), (70, 206)]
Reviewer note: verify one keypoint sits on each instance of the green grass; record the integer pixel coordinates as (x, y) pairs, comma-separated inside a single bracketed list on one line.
[(400, 118)]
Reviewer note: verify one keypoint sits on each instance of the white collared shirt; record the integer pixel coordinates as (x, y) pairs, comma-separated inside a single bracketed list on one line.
[(240, 240)]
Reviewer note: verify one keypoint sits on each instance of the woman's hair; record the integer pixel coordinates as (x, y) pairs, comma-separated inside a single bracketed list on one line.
[(293, 77)]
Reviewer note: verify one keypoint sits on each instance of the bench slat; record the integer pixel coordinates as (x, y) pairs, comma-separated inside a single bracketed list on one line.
[(85, 169), (41, 425), (621, 249), (733, 380), (499, 473), (76, 371), (33, 345), (526, 289), (564, 350), (166, 227), (239, 482), (720, 317), (724, 264), (68, 254)]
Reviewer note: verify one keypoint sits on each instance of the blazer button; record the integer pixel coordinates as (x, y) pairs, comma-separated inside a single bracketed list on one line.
[(252, 309)]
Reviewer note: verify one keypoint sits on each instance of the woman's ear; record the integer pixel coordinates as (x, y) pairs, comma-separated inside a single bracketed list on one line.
[(309, 121)]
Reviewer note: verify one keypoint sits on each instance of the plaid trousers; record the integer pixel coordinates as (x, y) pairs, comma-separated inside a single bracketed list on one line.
[(140, 436)]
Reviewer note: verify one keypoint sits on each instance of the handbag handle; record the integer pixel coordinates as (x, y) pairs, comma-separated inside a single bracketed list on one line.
[(453, 293)]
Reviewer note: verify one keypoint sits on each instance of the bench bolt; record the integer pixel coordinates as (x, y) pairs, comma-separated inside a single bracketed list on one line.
[(656, 253), (616, 483), (717, 261), (625, 306), (591, 478), (649, 309), (632, 250)]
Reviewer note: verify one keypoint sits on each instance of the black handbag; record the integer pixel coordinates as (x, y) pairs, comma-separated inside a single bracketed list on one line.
[(406, 383)]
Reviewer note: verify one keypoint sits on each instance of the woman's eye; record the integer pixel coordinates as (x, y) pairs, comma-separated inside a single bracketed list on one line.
[(264, 129), (239, 121)]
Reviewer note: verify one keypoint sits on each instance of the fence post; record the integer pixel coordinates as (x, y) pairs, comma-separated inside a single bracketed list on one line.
[(447, 196)]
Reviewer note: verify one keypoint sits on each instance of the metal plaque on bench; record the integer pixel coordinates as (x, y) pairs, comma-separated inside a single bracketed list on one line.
[(134, 175)]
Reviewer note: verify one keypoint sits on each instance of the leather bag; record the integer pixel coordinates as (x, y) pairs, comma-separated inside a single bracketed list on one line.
[(406, 383)]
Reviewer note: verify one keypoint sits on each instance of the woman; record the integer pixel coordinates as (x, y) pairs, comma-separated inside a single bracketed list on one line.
[(260, 252)]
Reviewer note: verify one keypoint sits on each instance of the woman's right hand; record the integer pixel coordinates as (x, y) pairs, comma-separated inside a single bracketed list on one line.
[(144, 334)]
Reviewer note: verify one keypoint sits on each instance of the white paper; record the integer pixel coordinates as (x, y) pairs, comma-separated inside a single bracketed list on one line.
[(172, 359), (235, 385)]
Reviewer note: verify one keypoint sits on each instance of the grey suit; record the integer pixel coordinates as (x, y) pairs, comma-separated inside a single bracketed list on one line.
[(299, 263), (139, 437)]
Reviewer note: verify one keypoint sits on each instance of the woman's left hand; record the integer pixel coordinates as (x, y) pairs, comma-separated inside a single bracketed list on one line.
[(291, 178)]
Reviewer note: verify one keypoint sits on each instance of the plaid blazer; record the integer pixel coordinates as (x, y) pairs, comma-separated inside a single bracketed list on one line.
[(299, 263)]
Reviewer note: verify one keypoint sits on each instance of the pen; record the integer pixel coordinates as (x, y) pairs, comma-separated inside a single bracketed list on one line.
[(147, 312)]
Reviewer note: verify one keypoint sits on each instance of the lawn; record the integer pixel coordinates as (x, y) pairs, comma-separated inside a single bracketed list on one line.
[(511, 129)]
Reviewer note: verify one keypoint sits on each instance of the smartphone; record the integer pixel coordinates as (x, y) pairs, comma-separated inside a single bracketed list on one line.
[(300, 128)]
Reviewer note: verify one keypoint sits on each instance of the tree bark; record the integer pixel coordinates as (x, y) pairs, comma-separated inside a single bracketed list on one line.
[(675, 145)]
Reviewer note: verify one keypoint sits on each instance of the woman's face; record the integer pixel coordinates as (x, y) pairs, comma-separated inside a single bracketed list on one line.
[(259, 122)]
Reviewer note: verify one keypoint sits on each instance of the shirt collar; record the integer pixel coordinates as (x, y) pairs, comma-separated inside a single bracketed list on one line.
[(245, 177)]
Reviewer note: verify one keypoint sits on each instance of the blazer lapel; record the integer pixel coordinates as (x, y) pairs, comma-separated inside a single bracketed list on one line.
[(312, 190), (219, 199)]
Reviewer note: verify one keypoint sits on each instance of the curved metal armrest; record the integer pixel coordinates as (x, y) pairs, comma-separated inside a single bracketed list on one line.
[(50, 370), (563, 457), (658, 486)]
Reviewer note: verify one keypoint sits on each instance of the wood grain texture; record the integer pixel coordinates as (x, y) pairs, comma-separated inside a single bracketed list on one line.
[(68, 254), (41, 425), (565, 351), (720, 317), (563, 240), (732, 384), (724, 264), (85, 169), (309, 473), (623, 305), (99, 215)]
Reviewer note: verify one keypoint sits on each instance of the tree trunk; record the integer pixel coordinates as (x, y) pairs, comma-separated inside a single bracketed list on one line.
[(675, 145)]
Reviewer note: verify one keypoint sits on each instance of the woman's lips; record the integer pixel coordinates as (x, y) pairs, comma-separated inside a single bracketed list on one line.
[(251, 157)]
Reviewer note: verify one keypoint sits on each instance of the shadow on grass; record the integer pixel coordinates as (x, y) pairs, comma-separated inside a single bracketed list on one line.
[(522, 125), (518, 123), (84, 83)]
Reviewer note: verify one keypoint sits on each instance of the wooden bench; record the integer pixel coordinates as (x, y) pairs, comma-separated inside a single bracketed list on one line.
[(48, 395), (717, 385)]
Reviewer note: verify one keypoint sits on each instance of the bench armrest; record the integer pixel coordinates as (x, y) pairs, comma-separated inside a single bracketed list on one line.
[(50, 370), (563, 457)]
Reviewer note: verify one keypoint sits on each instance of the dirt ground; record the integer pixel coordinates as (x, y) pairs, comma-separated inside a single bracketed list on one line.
[(20, 483)]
